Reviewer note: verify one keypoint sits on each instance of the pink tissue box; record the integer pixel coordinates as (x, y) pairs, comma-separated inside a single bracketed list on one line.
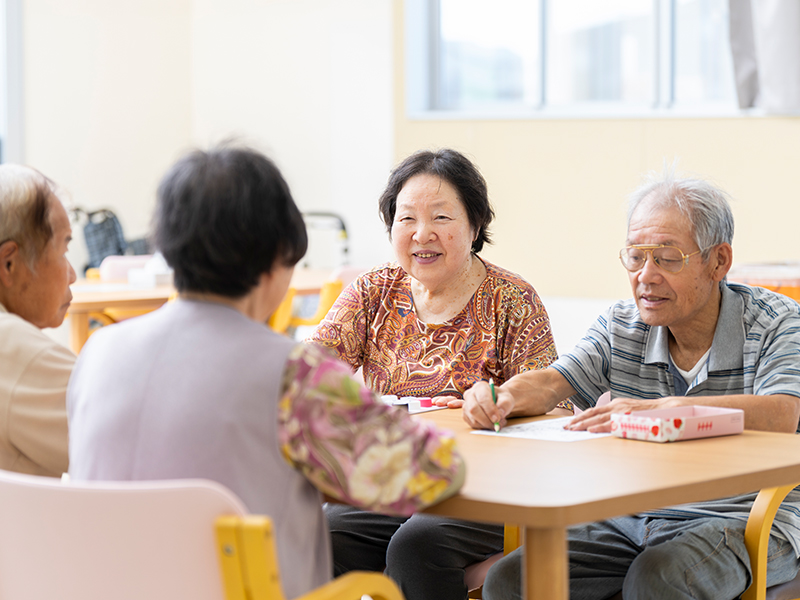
[(674, 424)]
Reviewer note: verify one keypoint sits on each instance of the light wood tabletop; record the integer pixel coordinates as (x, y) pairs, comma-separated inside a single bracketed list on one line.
[(90, 296), (548, 486)]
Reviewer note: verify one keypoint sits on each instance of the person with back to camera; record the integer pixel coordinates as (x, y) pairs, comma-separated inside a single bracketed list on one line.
[(203, 388), (687, 337), (35, 276), (432, 324)]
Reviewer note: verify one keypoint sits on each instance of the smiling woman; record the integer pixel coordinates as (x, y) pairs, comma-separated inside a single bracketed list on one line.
[(434, 323), (440, 319)]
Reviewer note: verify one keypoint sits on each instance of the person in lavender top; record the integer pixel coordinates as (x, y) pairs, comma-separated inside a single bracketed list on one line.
[(203, 388)]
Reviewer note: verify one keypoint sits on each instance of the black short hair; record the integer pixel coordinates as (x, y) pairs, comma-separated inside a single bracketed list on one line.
[(223, 218), (458, 171)]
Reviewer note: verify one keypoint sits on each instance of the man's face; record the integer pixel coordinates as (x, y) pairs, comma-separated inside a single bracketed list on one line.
[(44, 293), (674, 300)]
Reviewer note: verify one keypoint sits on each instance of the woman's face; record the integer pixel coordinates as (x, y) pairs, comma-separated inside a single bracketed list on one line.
[(431, 233)]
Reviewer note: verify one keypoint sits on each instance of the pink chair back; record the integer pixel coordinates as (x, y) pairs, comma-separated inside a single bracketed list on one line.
[(120, 540)]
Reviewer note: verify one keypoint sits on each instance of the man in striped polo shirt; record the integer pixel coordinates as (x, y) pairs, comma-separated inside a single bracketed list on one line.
[(687, 337)]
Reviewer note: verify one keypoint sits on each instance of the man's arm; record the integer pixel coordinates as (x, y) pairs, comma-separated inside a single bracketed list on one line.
[(778, 412), (527, 394)]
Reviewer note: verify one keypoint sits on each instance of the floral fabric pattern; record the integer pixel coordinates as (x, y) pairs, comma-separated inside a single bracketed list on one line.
[(502, 331), (353, 447)]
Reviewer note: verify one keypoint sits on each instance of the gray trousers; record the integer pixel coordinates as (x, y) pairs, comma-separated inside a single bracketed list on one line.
[(653, 559), (424, 554)]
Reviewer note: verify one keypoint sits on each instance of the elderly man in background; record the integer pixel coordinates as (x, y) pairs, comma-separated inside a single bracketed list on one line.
[(35, 276), (687, 337)]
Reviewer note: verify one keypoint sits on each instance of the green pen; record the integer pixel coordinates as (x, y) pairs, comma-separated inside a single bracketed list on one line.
[(494, 399)]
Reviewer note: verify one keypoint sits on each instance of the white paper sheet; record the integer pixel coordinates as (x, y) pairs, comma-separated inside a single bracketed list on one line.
[(551, 430)]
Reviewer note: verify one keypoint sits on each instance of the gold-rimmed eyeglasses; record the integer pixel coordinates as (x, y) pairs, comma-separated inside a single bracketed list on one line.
[(669, 258)]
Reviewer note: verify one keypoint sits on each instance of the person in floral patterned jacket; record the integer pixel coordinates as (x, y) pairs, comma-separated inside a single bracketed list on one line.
[(203, 388)]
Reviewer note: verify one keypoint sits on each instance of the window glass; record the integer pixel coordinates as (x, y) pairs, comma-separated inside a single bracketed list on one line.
[(489, 53), (600, 51), (581, 56), (703, 63)]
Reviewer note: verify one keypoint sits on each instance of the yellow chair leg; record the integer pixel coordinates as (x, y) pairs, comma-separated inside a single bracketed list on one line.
[(249, 564), (756, 537)]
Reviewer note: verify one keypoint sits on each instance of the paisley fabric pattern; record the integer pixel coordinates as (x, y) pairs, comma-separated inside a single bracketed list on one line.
[(503, 330), (352, 446)]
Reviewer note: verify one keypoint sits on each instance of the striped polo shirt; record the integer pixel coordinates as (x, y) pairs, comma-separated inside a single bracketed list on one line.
[(756, 350)]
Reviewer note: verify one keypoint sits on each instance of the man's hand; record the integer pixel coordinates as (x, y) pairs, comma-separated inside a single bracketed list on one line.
[(598, 419), (480, 411)]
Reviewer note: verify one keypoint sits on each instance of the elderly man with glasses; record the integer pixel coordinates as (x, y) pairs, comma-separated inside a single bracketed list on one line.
[(35, 276), (687, 337)]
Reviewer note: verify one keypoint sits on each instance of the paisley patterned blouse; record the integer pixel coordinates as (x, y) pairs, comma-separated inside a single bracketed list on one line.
[(503, 330), (353, 447)]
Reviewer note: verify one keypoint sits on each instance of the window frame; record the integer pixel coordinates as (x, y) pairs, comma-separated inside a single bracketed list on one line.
[(11, 144), (422, 69)]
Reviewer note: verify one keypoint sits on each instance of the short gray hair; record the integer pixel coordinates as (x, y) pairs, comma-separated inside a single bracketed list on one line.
[(25, 210), (706, 206)]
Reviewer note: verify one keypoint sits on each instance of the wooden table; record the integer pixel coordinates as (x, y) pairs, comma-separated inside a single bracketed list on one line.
[(96, 296), (548, 486), (90, 296)]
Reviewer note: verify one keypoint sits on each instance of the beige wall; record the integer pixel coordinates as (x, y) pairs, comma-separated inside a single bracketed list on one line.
[(309, 82), (107, 101), (559, 185), (116, 90)]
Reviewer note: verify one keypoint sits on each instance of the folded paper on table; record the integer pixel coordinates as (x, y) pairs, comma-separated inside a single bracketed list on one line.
[(414, 405), (675, 424)]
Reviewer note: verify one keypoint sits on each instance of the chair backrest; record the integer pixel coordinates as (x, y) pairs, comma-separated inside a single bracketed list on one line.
[(120, 540), (339, 279), (103, 235), (347, 273), (282, 317), (327, 296)]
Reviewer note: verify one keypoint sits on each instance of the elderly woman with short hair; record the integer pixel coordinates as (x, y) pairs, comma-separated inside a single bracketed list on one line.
[(434, 323), (203, 388)]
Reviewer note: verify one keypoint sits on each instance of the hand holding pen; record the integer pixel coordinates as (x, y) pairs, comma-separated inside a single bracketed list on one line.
[(485, 405)]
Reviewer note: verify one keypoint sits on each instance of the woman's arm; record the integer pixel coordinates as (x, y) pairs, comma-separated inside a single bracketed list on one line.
[(356, 449), (343, 330), (527, 342)]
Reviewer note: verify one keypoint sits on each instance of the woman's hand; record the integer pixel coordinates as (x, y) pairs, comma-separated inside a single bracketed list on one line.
[(448, 401), (480, 411), (598, 418)]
